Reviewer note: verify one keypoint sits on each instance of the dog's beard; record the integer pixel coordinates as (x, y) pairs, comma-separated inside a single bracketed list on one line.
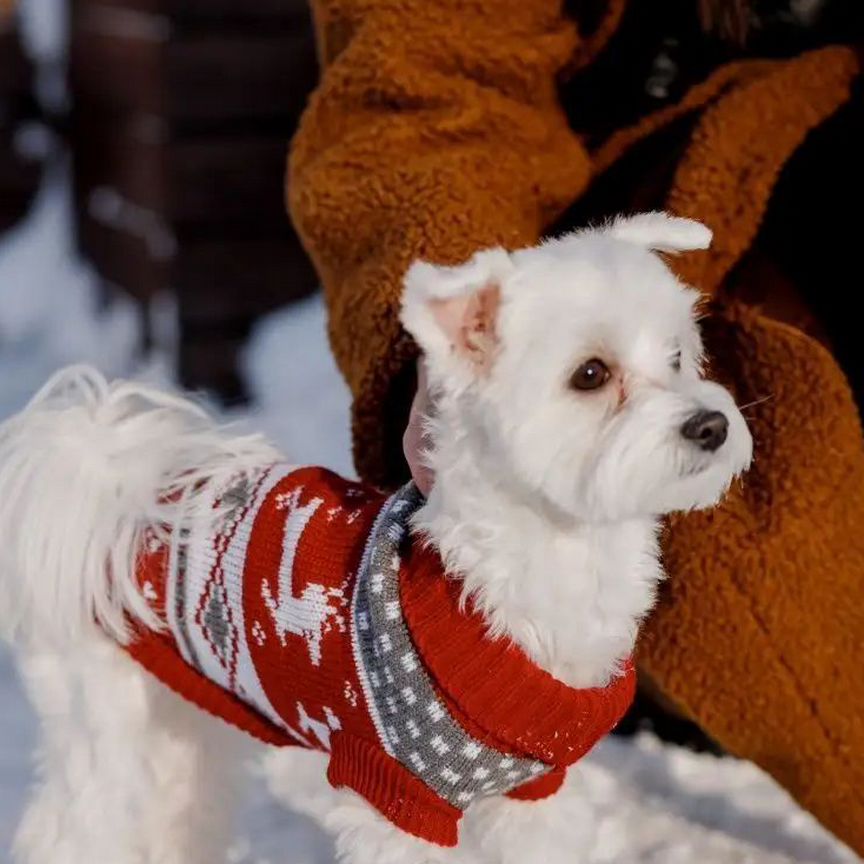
[(644, 467), (651, 481)]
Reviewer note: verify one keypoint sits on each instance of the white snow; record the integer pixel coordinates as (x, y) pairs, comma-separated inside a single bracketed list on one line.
[(656, 804)]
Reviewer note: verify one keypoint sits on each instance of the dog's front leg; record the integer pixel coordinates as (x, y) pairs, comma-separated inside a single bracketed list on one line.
[(364, 836), (560, 829), (298, 779)]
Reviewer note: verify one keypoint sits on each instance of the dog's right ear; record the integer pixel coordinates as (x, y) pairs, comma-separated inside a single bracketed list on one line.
[(452, 312)]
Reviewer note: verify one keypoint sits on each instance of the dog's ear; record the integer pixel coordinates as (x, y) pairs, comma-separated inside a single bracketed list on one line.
[(452, 312), (661, 232)]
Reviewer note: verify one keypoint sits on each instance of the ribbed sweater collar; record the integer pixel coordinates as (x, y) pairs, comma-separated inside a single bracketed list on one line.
[(493, 681)]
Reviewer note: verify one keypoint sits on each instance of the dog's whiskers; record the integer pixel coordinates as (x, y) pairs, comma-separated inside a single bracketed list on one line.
[(756, 402)]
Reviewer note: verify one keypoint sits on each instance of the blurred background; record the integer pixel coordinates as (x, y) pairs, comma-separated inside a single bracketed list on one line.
[(172, 119), (143, 229)]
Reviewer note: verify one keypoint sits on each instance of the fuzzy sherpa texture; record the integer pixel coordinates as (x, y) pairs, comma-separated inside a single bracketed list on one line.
[(436, 131)]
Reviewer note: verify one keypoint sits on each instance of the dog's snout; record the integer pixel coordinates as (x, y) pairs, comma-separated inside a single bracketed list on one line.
[(706, 429)]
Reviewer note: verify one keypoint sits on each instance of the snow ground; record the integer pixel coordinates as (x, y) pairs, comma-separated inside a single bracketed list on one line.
[(655, 804)]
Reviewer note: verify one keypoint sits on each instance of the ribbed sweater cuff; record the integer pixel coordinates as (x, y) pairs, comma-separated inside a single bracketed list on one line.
[(392, 790)]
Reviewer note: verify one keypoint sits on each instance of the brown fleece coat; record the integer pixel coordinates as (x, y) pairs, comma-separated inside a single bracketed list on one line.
[(437, 130)]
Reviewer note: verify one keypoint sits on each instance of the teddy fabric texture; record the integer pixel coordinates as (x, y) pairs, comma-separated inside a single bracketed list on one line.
[(307, 615), (437, 129)]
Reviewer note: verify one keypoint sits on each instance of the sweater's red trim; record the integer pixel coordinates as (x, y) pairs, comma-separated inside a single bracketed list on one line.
[(494, 682), (392, 790), (159, 656), (542, 787)]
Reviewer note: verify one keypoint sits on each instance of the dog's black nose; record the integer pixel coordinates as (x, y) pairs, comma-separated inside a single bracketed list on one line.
[(707, 429)]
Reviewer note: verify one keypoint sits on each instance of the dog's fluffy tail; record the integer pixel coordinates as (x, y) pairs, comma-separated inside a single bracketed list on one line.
[(85, 470)]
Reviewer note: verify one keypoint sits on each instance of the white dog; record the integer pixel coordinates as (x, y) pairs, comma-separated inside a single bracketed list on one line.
[(571, 414)]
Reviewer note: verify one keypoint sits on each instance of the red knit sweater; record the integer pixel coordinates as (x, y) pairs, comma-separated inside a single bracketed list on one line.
[(308, 617)]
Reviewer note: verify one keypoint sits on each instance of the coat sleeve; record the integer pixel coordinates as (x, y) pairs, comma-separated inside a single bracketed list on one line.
[(758, 631), (436, 130)]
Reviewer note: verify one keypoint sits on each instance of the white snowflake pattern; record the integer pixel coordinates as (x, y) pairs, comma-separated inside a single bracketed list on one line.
[(289, 500), (321, 730), (350, 694)]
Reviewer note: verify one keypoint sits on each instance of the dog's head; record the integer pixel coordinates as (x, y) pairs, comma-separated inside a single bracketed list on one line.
[(574, 368)]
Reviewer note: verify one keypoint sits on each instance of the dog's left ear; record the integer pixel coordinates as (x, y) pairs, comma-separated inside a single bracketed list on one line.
[(452, 312), (661, 232)]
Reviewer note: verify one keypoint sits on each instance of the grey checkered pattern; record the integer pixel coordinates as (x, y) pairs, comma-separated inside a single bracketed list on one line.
[(414, 724)]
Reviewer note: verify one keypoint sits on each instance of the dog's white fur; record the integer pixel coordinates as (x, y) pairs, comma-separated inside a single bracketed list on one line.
[(545, 502)]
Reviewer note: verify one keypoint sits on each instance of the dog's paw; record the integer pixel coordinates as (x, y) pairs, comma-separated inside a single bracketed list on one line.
[(557, 830), (363, 836)]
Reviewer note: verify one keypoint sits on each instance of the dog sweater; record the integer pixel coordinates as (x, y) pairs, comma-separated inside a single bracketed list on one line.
[(307, 615)]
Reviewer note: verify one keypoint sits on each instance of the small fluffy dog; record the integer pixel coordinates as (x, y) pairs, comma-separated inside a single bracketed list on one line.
[(435, 657)]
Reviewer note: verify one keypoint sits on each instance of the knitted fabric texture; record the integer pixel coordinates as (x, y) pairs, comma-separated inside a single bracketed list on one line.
[(437, 130), (307, 616)]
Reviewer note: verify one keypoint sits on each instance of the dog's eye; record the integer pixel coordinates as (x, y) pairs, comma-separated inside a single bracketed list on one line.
[(591, 375), (675, 362)]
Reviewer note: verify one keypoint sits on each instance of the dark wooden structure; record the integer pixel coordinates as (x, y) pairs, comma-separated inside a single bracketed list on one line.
[(182, 113), (18, 175)]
